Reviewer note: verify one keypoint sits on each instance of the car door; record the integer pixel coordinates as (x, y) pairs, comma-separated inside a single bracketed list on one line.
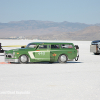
[(54, 52), (42, 53)]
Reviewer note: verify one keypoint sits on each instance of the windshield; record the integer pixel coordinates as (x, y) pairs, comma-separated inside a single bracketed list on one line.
[(31, 46)]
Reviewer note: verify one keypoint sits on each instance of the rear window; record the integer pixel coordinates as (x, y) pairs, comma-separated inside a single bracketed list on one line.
[(66, 46)]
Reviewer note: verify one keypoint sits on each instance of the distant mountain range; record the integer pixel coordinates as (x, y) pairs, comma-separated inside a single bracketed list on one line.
[(34, 29)]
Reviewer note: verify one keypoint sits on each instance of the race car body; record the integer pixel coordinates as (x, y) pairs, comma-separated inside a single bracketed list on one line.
[(43, 51)]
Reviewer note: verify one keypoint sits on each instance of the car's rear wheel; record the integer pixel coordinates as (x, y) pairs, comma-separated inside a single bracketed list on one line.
[(23, 59), (96, 53), (62, 58)]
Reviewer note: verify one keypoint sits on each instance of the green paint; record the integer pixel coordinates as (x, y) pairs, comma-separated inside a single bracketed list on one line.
[(42, 51)]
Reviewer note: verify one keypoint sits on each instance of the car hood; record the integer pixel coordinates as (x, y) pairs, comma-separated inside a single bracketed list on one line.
[(20, 49)]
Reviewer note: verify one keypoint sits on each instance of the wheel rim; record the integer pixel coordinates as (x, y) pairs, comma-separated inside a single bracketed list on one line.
[(23, 58), (63, 58)]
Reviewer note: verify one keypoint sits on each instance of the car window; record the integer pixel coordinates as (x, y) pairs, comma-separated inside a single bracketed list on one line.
[(42, 46), (54, 46), (66, 46), (31, 46)]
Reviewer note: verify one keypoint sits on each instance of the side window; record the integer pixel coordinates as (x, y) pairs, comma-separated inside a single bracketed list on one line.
[(66, 46), (42, 46), (32, 46), (54, 46)]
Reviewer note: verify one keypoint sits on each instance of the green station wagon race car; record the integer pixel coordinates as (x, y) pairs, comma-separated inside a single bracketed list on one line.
[(43, 52)]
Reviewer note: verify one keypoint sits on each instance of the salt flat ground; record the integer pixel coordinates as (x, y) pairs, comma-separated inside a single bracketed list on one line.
[(43, 81)]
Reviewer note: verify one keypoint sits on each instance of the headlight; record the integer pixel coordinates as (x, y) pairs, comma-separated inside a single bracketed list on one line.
[(9, 55)]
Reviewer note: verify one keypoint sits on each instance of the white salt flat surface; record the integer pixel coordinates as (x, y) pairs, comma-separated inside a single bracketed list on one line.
[(44, 81)]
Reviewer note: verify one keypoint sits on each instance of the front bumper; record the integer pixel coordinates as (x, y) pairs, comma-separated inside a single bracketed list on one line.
[(9, 57), (11, 60)]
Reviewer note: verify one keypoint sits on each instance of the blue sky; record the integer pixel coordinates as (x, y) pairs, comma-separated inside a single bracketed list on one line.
[(82, 11)]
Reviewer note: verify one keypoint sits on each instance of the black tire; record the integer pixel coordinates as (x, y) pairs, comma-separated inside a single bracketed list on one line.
[(23, 59), (96, 53), (62, 58)]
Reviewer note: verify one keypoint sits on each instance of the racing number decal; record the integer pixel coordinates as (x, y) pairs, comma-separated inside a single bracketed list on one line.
[(32, 55), (41, 53)]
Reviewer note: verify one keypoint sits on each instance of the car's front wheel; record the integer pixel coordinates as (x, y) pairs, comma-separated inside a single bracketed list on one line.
[(62, 58), (23, 59)]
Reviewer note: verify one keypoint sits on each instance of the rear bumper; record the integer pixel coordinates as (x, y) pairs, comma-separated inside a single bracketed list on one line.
[(93, 48), (11, 60)]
